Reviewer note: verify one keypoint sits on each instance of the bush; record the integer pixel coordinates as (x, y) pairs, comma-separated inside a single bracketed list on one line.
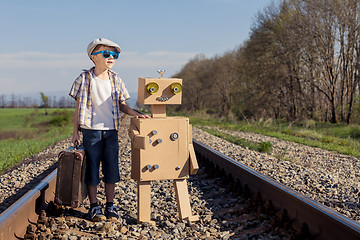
[(355, 133), (61, 118), (309, 123), (211, 111)]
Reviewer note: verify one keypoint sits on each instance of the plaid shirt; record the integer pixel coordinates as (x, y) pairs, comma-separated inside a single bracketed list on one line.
[(81, 89)]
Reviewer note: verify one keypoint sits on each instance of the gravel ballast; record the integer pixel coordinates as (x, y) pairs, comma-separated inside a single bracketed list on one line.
[(327, 177)]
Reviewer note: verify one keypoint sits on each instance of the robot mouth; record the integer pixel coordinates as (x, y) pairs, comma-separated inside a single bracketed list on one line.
[(162, 99)]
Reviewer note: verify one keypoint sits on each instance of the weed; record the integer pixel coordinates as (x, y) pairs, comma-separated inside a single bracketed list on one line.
[(355, 133), (282, 157), (268, 122), (342, 143), (309, 123), (265, 147), (327, 140), (288, 131), (285, 150)]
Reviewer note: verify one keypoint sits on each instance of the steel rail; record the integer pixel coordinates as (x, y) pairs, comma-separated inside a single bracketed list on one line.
[(322, 222), (15, 219)]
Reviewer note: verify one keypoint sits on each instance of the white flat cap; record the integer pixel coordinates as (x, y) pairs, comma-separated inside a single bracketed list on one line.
[(101, 41)]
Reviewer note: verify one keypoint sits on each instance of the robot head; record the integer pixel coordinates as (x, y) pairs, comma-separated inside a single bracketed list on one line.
[(159, 91)]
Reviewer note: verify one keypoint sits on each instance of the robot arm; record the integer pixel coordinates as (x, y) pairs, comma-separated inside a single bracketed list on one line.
[(194, 167), (137, 140)]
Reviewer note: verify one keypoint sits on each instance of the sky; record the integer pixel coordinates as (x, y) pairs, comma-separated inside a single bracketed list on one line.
[(43, 43)]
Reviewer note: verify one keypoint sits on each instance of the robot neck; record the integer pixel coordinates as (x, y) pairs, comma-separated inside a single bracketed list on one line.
[(158, 111)]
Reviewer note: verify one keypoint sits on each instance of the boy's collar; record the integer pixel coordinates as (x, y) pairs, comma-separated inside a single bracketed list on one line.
[(91, 70)]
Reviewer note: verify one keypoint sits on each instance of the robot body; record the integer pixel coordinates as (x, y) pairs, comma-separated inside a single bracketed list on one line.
[(161, 146), (165, 155)]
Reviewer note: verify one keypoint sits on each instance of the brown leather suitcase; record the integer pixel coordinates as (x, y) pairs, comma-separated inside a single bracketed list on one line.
[(70, 186)]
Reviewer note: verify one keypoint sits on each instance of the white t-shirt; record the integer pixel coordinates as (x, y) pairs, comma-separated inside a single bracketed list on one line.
[(103, 114)]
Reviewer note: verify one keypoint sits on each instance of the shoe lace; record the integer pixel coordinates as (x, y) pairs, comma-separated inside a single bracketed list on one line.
[(113, 209), (96, 211)]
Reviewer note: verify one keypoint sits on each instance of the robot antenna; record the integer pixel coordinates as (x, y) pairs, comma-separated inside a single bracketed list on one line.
[(161, 72)]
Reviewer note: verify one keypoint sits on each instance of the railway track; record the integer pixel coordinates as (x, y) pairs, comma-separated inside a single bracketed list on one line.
[(305, 215), (265, 200)]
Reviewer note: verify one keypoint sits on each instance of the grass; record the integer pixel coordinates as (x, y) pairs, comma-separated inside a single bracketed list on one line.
[(342, 138), (24, 132), (265, 147)]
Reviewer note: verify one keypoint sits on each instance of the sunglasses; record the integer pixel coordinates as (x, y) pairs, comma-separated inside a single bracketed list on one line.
[(107, 53)]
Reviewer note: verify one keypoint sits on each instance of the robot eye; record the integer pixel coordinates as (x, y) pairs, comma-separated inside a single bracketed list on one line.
[(152, 87), (176, 88)]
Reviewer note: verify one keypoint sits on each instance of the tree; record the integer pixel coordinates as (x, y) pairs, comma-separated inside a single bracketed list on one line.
[(45, 101), (301, 61)]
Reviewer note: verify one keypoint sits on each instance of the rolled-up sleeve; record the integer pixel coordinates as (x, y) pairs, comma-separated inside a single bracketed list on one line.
[(75, 89), (124, 94)]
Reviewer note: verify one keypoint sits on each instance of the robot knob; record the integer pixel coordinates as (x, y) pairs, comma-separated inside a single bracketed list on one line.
[(174, 136)]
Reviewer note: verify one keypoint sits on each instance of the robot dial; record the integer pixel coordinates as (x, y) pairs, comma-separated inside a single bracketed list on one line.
[(152, 87), (176, 88), (174, 136)]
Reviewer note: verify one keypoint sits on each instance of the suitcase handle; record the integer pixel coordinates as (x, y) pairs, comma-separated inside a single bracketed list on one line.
[(76, 147)]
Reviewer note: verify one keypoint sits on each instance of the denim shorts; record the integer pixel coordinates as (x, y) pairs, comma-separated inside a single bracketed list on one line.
[(101, 146)]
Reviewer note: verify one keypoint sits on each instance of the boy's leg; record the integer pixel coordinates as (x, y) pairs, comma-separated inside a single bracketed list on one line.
[(110, 169), (110, 165), (111, 211), (92, 192), (110, 192), (93, 147)]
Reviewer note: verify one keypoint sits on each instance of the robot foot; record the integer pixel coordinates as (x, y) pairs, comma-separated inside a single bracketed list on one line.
[(150, 222), (193, 218)]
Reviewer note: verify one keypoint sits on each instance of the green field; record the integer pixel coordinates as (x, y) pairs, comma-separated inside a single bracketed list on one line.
[(24, 132), (342, 138)]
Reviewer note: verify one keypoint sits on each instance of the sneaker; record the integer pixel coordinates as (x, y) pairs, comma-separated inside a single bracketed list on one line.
[(112, 212), (96, 214)]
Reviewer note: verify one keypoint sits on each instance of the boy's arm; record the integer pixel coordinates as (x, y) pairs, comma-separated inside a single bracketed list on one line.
[(76, 139), (128, 110)]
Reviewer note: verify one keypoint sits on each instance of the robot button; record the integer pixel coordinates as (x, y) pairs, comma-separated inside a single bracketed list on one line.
[(174, 136), (148, 166), (156, 166)]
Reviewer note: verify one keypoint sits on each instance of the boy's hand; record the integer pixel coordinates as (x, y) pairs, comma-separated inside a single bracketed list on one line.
[(142, 116), (76, 139)]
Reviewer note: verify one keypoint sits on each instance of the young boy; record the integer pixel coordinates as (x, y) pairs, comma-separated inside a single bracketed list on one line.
[(100, 96)]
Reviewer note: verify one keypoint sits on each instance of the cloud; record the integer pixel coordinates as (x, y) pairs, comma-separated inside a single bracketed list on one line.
[(40, 60), (34, 71), (150, 59)]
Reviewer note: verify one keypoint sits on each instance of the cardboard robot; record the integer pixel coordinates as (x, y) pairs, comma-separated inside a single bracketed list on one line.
[(161, 146)]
